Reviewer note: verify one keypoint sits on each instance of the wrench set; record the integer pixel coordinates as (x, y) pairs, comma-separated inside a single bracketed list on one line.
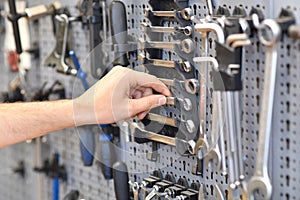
[(210, 141), (215, 140)]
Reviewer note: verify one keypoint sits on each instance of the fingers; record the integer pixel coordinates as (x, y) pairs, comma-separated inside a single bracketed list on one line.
[(142, 115), (146, 80), (144, 104)]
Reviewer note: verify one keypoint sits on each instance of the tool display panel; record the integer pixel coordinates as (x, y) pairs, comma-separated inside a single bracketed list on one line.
[(284, 144)]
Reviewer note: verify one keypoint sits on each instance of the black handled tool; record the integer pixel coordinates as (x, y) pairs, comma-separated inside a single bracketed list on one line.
[(121, 180), (119, 33), (120, 38), (32, 13), (14, 18)]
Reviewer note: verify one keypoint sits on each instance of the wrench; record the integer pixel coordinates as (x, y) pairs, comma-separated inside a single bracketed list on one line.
[(190, 126), (191, 85), (187, 104), (214, 154), (162, 119), (231, 139), (162, 29), (152, 136), (155, 192), (222, 140), (219, 193), (185, 13), (135, 188), (186, 45), (260, 179), (185, 65), (138, 132), (57, 58)]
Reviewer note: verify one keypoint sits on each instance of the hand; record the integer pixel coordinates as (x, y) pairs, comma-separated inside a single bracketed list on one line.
[(120, 95)]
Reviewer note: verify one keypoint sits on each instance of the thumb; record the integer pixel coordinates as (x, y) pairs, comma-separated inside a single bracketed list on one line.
[(137, 106)]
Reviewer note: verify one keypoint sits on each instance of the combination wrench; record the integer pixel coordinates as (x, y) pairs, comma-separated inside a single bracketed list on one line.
[(192, 86), (186, 45), (187, 30), (181, 66), (185, 13), (214, 154), (260, 180)]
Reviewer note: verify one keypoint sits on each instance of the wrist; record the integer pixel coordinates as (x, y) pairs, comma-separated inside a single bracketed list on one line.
[(83, 112)]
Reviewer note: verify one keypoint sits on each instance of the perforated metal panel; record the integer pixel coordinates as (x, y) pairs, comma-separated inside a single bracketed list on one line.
[(284, 162)]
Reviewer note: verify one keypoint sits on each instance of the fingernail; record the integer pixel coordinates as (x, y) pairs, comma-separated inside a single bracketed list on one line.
[(162, 101)]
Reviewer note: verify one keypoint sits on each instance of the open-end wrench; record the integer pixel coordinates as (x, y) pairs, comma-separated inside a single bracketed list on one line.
[(142, 134), (185, 13), (214, 154), (57, 58), (152, 136), (184, 65), (155, 192), (135, 189), (260, 180), (186, 45)]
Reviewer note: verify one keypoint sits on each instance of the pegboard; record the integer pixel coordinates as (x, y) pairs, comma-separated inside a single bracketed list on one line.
[(284, 160)]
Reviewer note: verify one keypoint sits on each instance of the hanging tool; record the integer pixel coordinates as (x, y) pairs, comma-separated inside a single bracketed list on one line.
[(183, 66), (57, 59), (73, 195), (191, 85), (260, 180), (118, 22), (188, 30), (186, 45), (32, 13), (120, 174), (18, 62)]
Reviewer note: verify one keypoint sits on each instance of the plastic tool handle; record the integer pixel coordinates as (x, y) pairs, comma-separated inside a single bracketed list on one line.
[(119, 32), (73, 195), (80, 74), (14, 18), (87, 145), (55, 181), (95, 27), (106, 154), (121, 179)]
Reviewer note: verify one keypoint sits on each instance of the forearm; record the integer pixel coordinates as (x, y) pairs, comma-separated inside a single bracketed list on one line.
[(23, 121)]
